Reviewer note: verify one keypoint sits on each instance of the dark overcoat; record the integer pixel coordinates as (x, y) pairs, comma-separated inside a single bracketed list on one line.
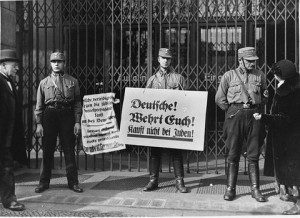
[(11, 123), (283, 139)]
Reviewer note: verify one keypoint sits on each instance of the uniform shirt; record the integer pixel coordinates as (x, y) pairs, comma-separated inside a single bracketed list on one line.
[(230, 90), (167, 80), (48, 93)]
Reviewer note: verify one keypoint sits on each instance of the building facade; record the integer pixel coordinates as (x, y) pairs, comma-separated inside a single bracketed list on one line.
[(113, 44)]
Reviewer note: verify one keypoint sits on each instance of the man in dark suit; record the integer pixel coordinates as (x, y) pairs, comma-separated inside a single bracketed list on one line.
[(11, 132)]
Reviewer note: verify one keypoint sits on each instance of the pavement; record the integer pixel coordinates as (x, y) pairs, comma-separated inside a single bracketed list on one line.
[(119, 194)]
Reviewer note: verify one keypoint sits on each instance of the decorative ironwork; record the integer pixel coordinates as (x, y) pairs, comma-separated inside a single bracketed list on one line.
[(115, 43)]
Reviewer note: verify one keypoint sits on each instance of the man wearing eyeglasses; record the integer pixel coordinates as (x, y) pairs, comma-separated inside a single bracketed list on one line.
[(241, 93), (58, 112)]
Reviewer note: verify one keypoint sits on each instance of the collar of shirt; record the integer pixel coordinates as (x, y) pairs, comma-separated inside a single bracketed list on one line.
[(7, 80), (57, 74), (168, 71), (241, 70), (5, 76)]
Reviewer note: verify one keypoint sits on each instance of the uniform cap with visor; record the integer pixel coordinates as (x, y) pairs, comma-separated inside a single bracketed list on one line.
[(165, 53), (57, 56), (247, 53)]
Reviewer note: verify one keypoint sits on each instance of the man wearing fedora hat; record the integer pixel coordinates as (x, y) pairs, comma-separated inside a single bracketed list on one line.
[(166, 78), (11, 130), (241, 93), (58, 112)]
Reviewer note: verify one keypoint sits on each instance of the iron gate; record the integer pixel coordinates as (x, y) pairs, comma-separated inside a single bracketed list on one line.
[(113, 44)]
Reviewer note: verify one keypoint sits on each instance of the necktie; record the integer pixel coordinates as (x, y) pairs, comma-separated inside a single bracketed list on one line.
[(59, 82), (12, 85)]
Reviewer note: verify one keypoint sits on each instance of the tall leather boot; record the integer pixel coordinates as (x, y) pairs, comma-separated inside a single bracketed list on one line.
[(232, 174), (154, 173), (254, 179), (179, 173)]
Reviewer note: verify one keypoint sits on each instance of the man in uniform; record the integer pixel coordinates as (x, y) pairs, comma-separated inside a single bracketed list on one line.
[(58, 111), (11, 130), (241, 93), (166, 78)]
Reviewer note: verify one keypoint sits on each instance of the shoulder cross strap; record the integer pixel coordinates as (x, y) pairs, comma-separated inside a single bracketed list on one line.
[(244, 87)]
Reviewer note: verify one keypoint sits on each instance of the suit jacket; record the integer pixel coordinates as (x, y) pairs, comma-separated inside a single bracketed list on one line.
[(11, 125)]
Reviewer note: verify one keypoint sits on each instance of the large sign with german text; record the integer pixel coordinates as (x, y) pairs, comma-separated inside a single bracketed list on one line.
[(164, 118), (100, 132)]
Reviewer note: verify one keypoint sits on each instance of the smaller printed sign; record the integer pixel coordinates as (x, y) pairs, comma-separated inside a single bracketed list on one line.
[(100, 132)]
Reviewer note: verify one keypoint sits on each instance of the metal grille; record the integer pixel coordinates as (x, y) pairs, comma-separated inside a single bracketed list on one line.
[(113, 44)]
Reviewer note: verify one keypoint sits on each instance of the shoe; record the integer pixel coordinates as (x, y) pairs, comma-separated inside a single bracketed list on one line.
[(283, 194), (179, 185), (257, 195), (76, 188), (293, 211), (152, 185), (295, 191), (41, 188), (15, 206), (230, 194)]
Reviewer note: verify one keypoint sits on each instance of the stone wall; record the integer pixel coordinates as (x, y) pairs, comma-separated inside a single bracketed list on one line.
[(8, 24)]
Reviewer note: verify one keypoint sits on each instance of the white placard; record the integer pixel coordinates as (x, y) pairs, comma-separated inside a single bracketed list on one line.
[(164, 118)]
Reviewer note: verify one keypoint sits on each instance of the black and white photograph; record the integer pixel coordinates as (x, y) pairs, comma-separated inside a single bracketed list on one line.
[(149, 108)]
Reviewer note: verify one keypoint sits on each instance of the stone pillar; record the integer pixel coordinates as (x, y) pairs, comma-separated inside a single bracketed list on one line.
[(8, 19)]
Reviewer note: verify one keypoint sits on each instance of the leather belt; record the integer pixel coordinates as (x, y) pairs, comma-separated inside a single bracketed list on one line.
[(245, 105), (59, 105)]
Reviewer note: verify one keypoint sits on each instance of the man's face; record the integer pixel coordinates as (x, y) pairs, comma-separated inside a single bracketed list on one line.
[(164, 62), (247, 64), (10, 68), (57, 66)]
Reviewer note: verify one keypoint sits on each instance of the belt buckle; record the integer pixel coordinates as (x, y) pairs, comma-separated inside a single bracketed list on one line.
[(246, 106), (57, 105)]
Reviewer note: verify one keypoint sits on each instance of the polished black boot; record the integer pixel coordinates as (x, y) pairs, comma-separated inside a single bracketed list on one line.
[(254, 179), (179, 173), (232, 174), (154, 172)]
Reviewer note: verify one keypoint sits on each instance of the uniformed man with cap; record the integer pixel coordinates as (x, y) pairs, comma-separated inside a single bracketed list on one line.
[(58, 112), (166, 78), (241, 93), (12, 145)]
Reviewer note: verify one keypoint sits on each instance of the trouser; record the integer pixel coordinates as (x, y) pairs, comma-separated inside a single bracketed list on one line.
[(240, 127), (7, 181), (58, 122), (177, 159)]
